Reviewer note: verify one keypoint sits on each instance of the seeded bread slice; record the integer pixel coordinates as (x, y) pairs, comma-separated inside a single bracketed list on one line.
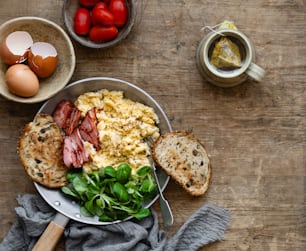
[(185, 160), (40, 151)]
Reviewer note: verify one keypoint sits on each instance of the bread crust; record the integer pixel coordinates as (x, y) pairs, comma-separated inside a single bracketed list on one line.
[(184, 158), (40, 152)]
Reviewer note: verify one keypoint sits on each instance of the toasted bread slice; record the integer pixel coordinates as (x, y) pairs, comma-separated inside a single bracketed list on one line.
[(40, 151), (185, 160)]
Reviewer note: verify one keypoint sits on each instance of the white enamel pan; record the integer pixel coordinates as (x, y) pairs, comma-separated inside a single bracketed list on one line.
[(66, 208)]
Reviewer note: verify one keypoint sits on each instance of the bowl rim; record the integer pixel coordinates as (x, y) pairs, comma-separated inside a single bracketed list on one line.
[(32, 100), (104, 45)]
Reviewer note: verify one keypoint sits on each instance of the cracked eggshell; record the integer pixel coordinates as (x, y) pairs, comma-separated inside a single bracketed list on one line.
[(14, 48), (42, 59)]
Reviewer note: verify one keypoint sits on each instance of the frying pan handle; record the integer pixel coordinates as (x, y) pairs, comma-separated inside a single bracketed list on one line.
[(52, 234)]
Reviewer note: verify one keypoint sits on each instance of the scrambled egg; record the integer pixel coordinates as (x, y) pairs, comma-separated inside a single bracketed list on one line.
[(122, 124)]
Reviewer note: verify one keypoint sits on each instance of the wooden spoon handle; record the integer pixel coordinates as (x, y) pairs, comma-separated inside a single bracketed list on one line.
[(52, 234)]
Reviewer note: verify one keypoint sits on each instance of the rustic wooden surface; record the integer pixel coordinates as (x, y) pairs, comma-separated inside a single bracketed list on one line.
[(254, 133)]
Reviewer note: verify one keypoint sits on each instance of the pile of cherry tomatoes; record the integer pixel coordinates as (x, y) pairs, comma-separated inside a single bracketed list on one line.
[(100, 19)]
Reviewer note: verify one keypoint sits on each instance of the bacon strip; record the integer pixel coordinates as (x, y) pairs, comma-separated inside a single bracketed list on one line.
[(74, 152), (62, 112), (67, 116), (72, 121), (88, 128)]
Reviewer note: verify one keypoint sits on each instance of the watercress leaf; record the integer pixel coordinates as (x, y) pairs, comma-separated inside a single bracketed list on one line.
[(68, 191), (145, 186), (93, 190), (110, 171), (79, 185), (136, 203), (153, 186), (89, 195), (73, 174), (130, 190), (125, 209), (132, 186), (99, 211), (101, 172), (90, 206), (142, 213), (123, 173), (100, 203), (89, 179), (105, 218), (153, 189), (148, 185), (85, 212), (109, 201), (84, 197), (120, 215), (120, 192), (143, 170), (95, 176), (137, 195)]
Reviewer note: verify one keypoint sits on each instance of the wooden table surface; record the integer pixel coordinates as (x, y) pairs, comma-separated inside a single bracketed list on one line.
[(254, 133)]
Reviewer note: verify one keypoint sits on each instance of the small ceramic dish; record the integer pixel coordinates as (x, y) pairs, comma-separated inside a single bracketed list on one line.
[(41, 30), (68, 11)]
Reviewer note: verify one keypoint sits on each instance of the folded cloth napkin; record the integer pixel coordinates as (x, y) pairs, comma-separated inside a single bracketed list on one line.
[(206, 225)]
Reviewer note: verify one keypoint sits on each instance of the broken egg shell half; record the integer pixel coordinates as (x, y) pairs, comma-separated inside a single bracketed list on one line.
[(21, 80), (42, 59), (14, 48)]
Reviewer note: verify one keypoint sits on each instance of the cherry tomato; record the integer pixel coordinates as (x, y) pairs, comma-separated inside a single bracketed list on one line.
[(119, 10), (88, 3), (101, 5), (101, 34), (101, 15), (82, 21)]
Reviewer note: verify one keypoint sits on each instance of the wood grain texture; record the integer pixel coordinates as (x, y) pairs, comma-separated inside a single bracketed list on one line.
[(254, 133)]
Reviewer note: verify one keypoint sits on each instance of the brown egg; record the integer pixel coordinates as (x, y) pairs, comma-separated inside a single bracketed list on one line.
[(14, 48), (21, 80), (42, 59)]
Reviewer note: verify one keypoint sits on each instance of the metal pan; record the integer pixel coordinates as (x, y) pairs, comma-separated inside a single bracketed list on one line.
[(66, 208)]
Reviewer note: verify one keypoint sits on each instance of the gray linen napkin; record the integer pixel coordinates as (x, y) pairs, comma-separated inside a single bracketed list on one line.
[(206, 225)]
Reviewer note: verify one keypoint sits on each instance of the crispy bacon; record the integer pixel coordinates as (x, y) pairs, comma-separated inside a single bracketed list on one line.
[(72, 121), (67, 116), (74, 152), (61, 112), (88, 128)]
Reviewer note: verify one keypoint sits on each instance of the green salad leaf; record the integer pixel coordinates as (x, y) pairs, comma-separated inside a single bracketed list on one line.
[(112, 193)]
